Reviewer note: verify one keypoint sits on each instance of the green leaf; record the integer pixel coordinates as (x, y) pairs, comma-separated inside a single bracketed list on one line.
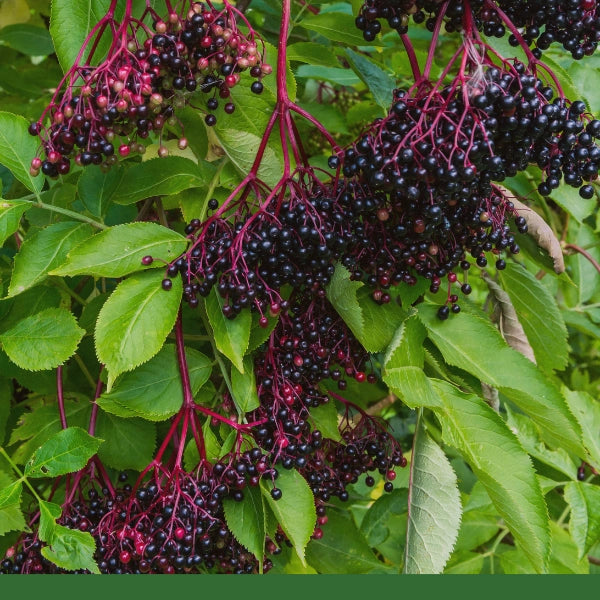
[(49, 512), (563, 560), (434, 507), (160, 177), (342, 549), (70, 24), (11, 516), (17, 148), (295, 510), (232, 336), (584, 523), (245, 394), (259, 335), (44, 340), (312, 54), (153, 390), (118, 251), (43, 251), (325, 419), (381, 83), (529, 436), (36, 427), (587, 412), (336, 75), (65, 452), (134, 322), (539, 315), (461, 339), (373, 325), (465, 563), (501, 465), (28, 39), (11, 212), (129, 443), (241, 148), (246, 520), (335, 26), (476, 528), (96, 188), (375, 524)]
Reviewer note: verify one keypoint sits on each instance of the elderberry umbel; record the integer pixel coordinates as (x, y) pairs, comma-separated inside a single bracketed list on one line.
[(103, 111)]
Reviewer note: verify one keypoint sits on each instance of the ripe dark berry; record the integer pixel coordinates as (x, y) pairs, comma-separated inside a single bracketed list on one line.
[(443, 312), (276, 493), (167, 284), (257, 87), (147, 260), (210, 120), (213, 204)]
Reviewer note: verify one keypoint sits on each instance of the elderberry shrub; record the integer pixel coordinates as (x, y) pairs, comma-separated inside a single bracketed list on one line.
[(105, 111)]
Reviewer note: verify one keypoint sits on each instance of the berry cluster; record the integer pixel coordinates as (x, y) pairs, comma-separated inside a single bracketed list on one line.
[(573, 23), (101, 112)]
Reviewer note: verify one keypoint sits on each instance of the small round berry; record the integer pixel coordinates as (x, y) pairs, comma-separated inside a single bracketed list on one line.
[(147, 260), (213, 204), (229, 108), (263, 322), (257, 87), (276, 493), (587, 192), (443, 312), (210, 120), (167, 284), (369, 481), (466, 289), (389, 486)]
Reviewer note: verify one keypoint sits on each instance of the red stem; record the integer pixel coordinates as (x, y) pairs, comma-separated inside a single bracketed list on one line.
[(94, 415)]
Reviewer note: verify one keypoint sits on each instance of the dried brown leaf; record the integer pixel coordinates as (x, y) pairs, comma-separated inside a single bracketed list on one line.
[(508, 321)]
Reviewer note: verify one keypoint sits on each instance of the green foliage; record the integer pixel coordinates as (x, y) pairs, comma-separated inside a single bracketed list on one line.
[(496, 408)]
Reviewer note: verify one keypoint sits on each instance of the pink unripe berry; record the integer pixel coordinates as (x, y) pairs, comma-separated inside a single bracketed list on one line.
[(160, 27), (36, 163), (124, 150), (163, 151)]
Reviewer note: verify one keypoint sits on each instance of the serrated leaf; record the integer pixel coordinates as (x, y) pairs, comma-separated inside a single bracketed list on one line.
[(70, 24), (17, 148), (153, 390), (342, 549), (584, 522), (259, 335), (245, 394), (375, 524), (118, 251), (241, 148), (49, 512), (72, 550), (465, 563), (381, 83), (129, 443), (476, 528), (11, 515), (563, 560), (246, 520), (587, 412), (42, 341), (501, 465), (434, 507), (295, 510), (161, 176), (11, 212), (65, 452), (325, 419), (461, 339), (529, 436), (508, 322), (341, 292), (232, 336), (44, 251), (36, 427), (96, 188), (135, 321), (539, 315)]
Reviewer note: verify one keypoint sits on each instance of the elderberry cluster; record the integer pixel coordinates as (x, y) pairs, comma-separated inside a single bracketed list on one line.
[(250, 257), (103, 111), (575, 24)]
